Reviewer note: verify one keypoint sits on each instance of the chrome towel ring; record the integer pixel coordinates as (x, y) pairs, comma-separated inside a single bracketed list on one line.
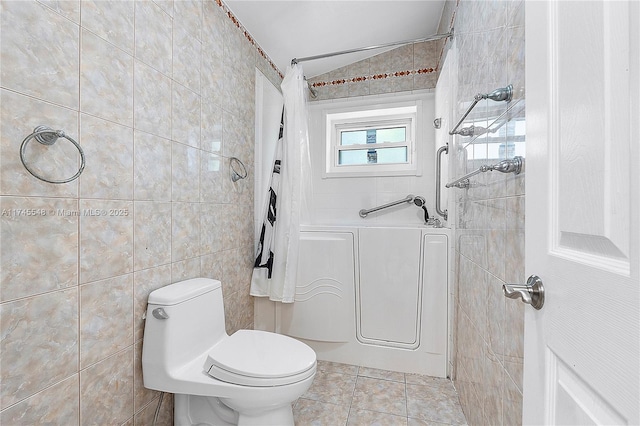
[(235, 176), (47, 136)]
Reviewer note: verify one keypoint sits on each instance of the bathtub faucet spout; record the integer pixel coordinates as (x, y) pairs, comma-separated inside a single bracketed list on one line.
[(435, 222)]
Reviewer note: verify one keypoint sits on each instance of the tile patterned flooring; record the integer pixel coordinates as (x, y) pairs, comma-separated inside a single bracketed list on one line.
[(343, 394)]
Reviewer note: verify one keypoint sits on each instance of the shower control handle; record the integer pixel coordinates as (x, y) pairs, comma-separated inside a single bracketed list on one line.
[(160, 313), (531, 293)]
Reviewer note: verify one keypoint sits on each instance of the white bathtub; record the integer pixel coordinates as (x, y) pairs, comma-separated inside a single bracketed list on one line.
[(370, 296)]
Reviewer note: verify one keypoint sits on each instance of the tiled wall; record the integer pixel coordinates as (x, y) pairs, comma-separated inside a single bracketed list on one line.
[(406, 68), (489, 328), (159, 95)]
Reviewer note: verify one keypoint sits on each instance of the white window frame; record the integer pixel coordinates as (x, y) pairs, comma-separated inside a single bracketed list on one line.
[(403, 115)]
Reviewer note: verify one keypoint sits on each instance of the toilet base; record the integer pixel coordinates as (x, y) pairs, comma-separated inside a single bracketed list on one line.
[(193, 410), (279, 417)]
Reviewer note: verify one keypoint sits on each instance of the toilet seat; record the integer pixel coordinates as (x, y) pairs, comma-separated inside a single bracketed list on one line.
[(260, 358)]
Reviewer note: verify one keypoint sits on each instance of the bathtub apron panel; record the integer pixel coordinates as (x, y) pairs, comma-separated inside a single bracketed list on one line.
[(389, 290), (323, 307), (373, 296)]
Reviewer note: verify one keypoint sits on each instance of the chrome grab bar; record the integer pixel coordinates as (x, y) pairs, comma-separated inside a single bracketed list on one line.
[(498, 95), (513, 165), (364, 212), (442, 149)]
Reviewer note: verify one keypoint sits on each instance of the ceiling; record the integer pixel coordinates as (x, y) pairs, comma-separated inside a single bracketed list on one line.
[(298, 28)]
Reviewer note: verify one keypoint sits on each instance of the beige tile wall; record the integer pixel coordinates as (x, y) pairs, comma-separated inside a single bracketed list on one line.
[(406, 68), (489, 329), (159, 94)]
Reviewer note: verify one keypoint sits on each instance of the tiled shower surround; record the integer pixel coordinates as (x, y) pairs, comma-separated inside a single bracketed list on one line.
[(489, 329), (159, 95)]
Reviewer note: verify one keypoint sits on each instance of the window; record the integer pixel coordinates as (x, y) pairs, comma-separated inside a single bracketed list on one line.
[(376, 144), (372, 142)]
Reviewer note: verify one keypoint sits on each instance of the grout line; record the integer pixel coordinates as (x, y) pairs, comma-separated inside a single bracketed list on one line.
[(353, 394), (406, 400)]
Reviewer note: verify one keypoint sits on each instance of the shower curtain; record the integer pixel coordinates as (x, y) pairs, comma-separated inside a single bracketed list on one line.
[(276, 266)]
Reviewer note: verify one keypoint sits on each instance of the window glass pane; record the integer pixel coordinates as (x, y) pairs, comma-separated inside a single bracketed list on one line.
[(353, 137), (373, 156), (391, 134), (392, 155), (348, 158), (395, 134)]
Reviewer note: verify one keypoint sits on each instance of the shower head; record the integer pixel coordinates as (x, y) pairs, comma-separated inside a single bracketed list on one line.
[(419, 201)]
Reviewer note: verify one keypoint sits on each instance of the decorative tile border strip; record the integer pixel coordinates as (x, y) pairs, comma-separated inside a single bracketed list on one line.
[(248, 36), (373, 77)]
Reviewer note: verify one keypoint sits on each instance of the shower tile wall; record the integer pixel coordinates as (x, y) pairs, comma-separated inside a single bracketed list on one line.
[(159, 95), (489, 328), (410, 67)]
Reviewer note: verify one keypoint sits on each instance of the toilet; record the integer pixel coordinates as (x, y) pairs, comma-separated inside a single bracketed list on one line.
[(249, 378)]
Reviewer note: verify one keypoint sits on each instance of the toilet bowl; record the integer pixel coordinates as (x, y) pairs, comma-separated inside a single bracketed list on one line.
[(248, 378)]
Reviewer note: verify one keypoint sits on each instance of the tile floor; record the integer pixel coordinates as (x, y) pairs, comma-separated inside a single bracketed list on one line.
[(343, 394)]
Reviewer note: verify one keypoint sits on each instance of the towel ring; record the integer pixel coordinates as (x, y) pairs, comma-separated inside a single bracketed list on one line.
[(47, 136), (235, 176)]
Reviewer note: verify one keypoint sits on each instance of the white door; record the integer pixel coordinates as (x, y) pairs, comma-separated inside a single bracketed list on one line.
[(582, 356)]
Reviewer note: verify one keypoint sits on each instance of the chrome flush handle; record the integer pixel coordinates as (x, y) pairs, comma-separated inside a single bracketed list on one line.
[(160, 313), (531, 293)]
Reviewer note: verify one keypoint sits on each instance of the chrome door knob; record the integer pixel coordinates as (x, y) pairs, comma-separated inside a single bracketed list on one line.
[(531, 293)]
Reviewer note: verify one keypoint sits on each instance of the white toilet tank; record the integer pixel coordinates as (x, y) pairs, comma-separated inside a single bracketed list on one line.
[(184, 320)]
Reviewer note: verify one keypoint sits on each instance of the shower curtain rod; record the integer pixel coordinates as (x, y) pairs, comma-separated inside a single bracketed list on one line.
[(379, 46)]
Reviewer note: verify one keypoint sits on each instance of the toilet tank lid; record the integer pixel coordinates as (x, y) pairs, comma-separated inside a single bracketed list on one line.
[(182, 291)]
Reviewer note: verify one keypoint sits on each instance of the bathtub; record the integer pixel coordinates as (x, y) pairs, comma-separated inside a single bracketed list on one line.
[(370, 296)]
